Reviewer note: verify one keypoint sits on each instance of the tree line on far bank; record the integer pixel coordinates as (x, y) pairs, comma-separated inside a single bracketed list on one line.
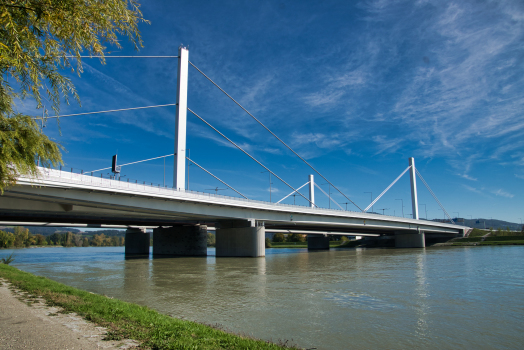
[(21, 237)]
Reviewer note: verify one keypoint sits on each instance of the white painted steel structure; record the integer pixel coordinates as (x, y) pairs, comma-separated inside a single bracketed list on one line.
[(179, 178), (60, 196), (413, 177)]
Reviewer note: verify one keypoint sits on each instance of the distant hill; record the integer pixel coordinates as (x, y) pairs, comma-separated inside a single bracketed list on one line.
[(486, 223)]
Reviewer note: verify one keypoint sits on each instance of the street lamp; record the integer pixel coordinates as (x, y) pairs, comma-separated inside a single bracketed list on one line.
[(371, 195), (267, 171), (425, 210), (329, 193), (403, 207)]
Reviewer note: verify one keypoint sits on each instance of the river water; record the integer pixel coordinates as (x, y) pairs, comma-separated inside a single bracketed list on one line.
[(433, 298)]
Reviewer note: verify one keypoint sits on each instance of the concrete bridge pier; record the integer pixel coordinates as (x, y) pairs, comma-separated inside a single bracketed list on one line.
[(240, 238), (410, 240), (136, 242), (180, 241), (317, 242)]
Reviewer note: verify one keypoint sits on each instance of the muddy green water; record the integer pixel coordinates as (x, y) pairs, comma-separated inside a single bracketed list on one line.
[(433, 298)]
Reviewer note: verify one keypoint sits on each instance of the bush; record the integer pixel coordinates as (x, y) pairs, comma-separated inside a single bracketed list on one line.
[(268, 243), (278, 237), (7, 260), (211, 239)]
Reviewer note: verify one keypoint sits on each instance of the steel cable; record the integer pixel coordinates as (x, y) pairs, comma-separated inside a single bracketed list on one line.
[(249, 155), (272, 133)]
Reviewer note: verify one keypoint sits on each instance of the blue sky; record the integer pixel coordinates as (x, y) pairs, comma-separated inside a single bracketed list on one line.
[(356, 87)]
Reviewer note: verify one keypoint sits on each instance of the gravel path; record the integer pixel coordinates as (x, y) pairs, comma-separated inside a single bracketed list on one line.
[(43, 327)]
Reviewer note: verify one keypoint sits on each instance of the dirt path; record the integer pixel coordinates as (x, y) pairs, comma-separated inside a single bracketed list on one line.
[(42, 327)]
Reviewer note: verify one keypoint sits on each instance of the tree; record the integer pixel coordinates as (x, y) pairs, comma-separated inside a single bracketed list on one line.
[(279, 237), (40, 240), (7, 239), (21, 236), (211, 239), (37, 40)]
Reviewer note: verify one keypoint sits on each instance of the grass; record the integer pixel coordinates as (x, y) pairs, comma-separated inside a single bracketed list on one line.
[(126, 320)]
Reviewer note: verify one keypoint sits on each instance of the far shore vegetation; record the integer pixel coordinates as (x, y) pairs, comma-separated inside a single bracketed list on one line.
[(21, 237), (123, 320)]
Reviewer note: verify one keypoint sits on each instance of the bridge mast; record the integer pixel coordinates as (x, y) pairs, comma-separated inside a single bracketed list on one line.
[(179, 178), (312, 191), (413, 177)]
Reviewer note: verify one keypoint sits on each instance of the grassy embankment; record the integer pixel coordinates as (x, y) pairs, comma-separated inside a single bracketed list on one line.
[(482, 238), (125, 320)]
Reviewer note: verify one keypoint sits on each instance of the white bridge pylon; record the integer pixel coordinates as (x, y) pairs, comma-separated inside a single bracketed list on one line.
[(179, 178)]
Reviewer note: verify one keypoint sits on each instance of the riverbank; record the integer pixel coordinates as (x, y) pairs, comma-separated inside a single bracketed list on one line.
[(123, 320)]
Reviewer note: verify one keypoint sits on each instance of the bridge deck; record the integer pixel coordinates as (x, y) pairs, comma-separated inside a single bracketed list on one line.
[(59, 196)]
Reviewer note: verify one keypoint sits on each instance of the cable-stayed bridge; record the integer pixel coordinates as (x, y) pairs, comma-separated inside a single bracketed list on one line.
[(181, 218)]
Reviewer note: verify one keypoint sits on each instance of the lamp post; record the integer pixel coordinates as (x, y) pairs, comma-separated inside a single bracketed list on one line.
[(425, 210), (403, 207), (267, 171), (329, 193), (371, 196)]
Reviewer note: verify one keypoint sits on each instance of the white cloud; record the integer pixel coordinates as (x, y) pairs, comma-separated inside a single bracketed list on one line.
[(467, 177), (502, 193)]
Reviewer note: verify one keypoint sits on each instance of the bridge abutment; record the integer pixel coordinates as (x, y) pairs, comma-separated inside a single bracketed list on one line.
[(317, 242), (410, 240), (238, 238), (136, 242), (180, 241)]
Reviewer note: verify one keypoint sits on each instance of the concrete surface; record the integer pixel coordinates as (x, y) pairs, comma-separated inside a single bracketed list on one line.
[(42, 327)]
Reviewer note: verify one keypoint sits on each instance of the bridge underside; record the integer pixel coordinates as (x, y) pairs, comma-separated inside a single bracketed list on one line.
[(180, 216)]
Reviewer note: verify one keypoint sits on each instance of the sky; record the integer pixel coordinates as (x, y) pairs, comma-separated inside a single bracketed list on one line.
[(354, 87)]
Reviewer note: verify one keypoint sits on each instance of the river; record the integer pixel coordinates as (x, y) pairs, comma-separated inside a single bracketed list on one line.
[(433, 298)]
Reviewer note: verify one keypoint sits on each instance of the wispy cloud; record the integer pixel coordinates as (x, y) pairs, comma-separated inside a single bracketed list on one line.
[(473, 189), (502, 193), (467, 177)]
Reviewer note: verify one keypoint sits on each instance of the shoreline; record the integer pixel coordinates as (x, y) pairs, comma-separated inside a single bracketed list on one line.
[(146, 327)]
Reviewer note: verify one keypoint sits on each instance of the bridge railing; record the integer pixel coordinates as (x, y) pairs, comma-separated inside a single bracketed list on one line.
[(78, 176)]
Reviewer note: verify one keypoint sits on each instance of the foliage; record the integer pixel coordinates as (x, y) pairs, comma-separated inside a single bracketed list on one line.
[(21, 144), (296, 237), (37, 40), (7, 260), (279, 237), (7, 239), (22, 237), (268, 243), (211, 239), (152, 329)]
